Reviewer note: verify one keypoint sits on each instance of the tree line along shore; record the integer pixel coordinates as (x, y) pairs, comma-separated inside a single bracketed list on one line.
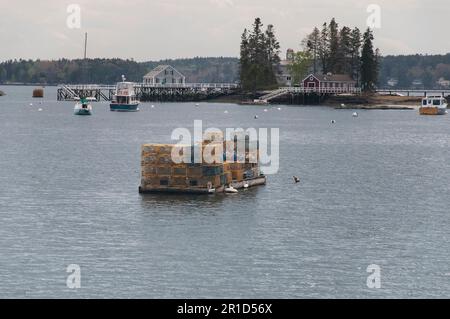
[(328, 49), (403, 71)]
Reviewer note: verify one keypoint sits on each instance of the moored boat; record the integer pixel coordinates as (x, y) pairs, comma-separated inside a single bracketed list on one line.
[(124, 99), (433, 105), (82, 108)]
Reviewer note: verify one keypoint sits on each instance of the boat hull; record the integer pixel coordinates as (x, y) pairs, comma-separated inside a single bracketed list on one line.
[(117, 107), (432, 111), (82, 112), (78, 110)]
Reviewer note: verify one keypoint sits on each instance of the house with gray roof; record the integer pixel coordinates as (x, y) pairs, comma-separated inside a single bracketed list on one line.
[(164, 74)]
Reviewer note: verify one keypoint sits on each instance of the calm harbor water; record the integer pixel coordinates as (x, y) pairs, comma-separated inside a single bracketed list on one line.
[(375, 190)]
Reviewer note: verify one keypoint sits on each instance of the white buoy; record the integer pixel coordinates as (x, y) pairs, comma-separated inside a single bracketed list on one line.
[(343, 105), (246, 186), (153, 106), (31, 104), (197, 104), (265, 110), (279, 109), (355, 114), (226, 112), (39, 110)]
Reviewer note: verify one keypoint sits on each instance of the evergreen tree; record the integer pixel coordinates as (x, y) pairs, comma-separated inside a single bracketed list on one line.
[(244, 61), (355, 53), (333, 46), (312, 44), (272, 45), (344, 52), (259, 57), (273, 55), (324, 48), (369, 63)]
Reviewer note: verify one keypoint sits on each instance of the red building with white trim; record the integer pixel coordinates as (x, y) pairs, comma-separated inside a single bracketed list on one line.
[(329, 81)]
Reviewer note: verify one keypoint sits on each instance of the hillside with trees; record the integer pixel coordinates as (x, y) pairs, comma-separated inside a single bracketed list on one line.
[(404, 71), (419, 71), (109, 71)]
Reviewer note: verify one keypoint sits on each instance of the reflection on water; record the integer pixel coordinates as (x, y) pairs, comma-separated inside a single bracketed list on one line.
[(374, 190)]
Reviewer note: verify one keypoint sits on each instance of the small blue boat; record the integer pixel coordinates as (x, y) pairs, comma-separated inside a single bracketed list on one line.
[(124, 99)]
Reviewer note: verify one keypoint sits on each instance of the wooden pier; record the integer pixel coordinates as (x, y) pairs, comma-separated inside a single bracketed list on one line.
[(144, 92)]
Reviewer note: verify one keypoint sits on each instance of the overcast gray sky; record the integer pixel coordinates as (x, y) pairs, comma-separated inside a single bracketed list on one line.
[(158, 29)]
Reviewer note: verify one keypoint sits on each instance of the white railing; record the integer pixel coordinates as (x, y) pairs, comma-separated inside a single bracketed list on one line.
[(325, 90), (191, 85), (273, 94), (331, 90), (87, 87), (159, 85), (69, 91), (413, 91)]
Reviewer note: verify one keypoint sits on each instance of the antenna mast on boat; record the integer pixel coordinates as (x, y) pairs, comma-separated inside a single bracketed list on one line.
[(85, 45), (84, 63)]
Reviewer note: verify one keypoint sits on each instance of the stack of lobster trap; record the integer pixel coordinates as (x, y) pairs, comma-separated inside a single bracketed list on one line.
[(165, 168)]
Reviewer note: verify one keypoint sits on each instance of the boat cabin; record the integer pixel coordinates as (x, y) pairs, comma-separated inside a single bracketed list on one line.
[(125, 93), (125, 88), (434, 100)]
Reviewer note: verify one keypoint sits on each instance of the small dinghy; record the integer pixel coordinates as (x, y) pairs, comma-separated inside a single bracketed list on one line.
[(82, 108)]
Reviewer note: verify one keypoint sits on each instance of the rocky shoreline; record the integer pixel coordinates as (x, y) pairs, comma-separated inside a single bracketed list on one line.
[(374, 102), (342, 102)]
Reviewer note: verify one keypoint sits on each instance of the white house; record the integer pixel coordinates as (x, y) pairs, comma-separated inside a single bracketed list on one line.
[(283, 74), (442, 82), (164, 74), (392, 82)]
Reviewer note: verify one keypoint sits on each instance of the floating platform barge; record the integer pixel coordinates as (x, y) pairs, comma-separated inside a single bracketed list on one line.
[(159, 173)]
